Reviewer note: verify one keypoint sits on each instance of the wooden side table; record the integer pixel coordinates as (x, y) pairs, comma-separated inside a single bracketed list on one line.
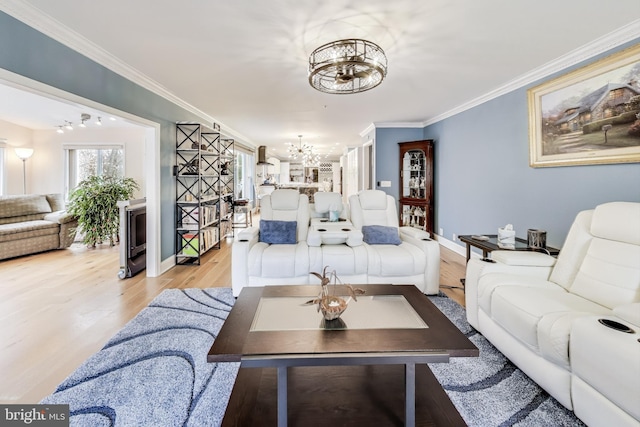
[(243, 209)]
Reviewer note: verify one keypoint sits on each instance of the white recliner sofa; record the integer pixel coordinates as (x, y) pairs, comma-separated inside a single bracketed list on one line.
[(415, 260), (548, 316)]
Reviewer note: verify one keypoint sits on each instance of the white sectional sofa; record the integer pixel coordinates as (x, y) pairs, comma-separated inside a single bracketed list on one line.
[(547, 315), (414, 260)]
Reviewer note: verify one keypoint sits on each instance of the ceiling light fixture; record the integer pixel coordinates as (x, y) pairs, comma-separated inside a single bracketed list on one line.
[(295, 152), (60, 129), (83, 118), (99, 121), (347, 66), (67, 125)]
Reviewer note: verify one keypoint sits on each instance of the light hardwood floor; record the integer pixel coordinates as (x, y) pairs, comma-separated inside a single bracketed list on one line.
[(60, 307)]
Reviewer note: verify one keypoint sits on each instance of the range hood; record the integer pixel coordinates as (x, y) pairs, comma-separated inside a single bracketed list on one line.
[(262, 156)]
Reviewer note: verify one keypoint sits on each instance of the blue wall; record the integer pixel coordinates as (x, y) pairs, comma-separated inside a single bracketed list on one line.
[(388, 155), (29, 53), (483, 179)]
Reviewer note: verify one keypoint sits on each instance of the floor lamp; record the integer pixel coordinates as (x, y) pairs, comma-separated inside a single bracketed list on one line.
[(24, 154)]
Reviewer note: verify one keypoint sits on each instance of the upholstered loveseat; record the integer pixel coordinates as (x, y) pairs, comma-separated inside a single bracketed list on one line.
[(550, 316), (414, 259), (34, 223)]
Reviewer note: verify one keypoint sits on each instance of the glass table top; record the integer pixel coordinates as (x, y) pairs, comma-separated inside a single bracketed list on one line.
[(369, 312)]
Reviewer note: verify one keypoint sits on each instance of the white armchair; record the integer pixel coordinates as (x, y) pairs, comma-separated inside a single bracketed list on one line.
[(415, 260), (257, 263)]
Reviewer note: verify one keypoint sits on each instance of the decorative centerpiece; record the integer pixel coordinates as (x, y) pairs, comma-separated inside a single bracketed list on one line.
[(332, 306)]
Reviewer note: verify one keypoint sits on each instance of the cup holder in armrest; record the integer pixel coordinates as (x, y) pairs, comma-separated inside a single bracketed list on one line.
[(346, 229), (487, 260), (616, 325), (322, 229), (426, 239)]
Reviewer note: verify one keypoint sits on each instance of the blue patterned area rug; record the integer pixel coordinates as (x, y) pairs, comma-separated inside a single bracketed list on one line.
[(154, 373)]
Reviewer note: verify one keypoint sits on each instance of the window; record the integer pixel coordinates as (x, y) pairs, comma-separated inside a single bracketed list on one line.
[(83, 162), (244, 173)]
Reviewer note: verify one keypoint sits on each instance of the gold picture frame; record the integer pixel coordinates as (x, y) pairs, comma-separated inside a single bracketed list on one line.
[(588, 116)]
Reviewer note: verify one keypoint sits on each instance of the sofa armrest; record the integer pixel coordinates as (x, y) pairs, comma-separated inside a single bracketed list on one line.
[(60, 217), (629, 313), (68, 224), (515, 263), (523, 258), (314, 238), (355, 238), (431, 249), (247, 234), (243, 242)]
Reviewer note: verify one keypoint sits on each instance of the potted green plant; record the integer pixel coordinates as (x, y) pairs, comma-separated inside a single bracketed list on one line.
[(94, 203)]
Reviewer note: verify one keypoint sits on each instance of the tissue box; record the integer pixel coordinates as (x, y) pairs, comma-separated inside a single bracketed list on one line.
[(506, 237)]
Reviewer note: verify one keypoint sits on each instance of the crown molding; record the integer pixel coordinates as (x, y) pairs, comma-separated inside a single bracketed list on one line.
[(366, 130), (609, 41), (379, 125), (54, 29)]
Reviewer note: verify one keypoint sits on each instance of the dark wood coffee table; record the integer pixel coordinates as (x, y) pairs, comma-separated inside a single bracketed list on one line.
[(369, 368)]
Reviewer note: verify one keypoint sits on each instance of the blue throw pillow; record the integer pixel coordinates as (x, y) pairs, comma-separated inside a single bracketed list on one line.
[(278, 232), (380, 235)]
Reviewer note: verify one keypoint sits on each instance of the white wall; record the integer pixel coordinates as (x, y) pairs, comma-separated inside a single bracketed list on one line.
[(47, 172), (17, 136), (45, 169)]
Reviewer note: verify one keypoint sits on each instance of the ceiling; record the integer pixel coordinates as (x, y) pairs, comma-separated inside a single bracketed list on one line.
[(244, 62)]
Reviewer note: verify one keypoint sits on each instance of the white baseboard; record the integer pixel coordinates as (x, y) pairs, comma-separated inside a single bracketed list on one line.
[(459, 249), (167, 264)]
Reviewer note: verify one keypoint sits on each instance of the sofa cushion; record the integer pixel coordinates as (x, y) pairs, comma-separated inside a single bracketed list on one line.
[(24, 230), (278, 232), (618, 221), (373, 200), (324, 201), (380, 235), (15, 206), (523, 312), (56, 201), (488, 283), (395, 261), (278, 261), (609, 273)]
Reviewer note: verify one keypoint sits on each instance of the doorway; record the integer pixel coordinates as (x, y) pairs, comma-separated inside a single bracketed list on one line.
[(149, 130)]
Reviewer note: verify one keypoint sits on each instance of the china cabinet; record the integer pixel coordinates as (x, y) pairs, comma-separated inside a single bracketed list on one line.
[(416, 184)]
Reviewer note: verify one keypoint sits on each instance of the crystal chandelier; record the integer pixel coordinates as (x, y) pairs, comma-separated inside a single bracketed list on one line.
[(347, 66), (310, 159), (304, 152)]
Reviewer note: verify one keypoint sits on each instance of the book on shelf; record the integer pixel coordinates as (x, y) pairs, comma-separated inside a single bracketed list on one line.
[(190, 217), (190, 244), (196, 217)]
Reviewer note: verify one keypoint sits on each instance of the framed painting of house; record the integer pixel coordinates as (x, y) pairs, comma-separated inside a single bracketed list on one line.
[(588, 116)]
